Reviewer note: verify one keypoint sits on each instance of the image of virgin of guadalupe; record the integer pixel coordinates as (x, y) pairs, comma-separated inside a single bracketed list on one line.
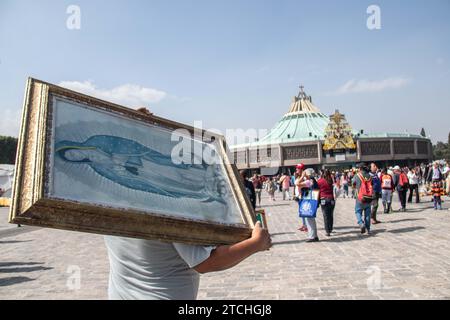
[(137, 167)]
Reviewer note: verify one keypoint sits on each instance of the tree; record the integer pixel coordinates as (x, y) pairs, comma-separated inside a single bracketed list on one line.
[(422, 133), (448, 139), (8, 148), (441, 151)]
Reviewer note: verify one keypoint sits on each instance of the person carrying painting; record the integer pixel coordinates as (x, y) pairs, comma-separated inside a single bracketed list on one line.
[(155, 270)]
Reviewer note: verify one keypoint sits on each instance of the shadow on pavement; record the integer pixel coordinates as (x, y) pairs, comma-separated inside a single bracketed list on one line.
[(356, 235), (14, 280), (347, 227), (24, 269), (10, 264), (14, 241), (409, 229), (403, 220)]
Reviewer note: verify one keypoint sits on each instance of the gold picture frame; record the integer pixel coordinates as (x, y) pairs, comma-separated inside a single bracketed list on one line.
[(38, 200)]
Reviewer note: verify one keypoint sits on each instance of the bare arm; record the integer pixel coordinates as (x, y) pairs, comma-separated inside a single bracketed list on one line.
[(225, 257)]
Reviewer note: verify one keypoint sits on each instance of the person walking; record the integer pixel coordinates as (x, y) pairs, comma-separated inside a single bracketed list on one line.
[(401, 184), (257, 184), (413, 178), (285, 182), (299, 178), (351, 177), (327, 201), (155, 270), (376, 182), (271, 187), (307, 183), (362, 184), (387, 186), (436, 177), (344, 183), (249, 188), (337, 189), (447, 181)]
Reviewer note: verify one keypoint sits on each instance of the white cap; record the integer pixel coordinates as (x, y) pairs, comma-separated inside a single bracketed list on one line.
[(397, 168)]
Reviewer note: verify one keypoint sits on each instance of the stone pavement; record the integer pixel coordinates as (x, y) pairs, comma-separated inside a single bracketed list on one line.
[(407, 257)]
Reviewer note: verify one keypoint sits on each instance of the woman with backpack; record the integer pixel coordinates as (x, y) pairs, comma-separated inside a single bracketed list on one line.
[(327, 201), (401, 183), (387, 187), (362, 184)]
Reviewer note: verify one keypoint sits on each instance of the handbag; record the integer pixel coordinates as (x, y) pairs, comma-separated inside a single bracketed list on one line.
[(308, 204)]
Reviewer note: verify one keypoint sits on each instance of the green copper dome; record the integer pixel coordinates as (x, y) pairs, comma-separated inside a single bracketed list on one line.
[(303, 122)]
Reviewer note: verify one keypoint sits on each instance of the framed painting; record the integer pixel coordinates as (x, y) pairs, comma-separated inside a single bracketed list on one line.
[(89, 165)]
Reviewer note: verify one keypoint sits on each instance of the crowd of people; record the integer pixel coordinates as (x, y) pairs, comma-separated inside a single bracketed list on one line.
[(367, 184)]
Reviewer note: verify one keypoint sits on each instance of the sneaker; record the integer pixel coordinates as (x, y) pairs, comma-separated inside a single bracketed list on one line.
[(316, 239), (363, 229), (369, 232), (328, 234)]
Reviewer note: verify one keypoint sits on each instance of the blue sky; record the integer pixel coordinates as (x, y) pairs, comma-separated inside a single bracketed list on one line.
[(237, 64)]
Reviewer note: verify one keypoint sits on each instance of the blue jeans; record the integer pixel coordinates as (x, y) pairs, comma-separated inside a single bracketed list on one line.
[(359, 209)]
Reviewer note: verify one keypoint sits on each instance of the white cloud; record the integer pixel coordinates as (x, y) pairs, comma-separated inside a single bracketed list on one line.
[(363, 86), (10, 122), (130, 95)]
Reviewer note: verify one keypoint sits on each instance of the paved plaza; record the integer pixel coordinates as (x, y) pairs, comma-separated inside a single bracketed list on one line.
[(407, 257)]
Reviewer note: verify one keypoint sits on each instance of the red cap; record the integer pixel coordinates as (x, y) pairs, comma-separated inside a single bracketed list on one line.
[(300, 166)]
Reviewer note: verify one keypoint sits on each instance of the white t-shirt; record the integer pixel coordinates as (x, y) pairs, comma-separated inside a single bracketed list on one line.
[(413, 178), (153, 270)]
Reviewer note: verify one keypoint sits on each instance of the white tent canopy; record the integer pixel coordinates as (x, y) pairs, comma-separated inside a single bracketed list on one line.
[(6, 179)]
